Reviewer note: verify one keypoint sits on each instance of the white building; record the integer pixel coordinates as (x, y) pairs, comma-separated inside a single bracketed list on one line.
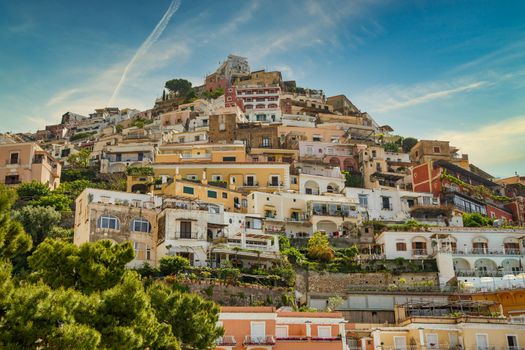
[(478, 258), (389, 204), (261, 103), (301, 215)]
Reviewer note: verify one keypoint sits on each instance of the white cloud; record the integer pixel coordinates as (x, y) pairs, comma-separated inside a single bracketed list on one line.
[(396, 97), (493, 144)]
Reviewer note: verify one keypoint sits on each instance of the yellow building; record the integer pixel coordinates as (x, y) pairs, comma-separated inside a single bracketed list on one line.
[(215, 192), (238, 175), (478, 326), (273, 155), (512, 300), (200, 153)]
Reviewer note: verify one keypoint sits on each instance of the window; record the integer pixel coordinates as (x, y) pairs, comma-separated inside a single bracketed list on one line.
[(107, 221), (374, 154), (12, 179), (432, 341), (400, 343), (140, 225), (281, 331), (148, 252), (216, 178), (265, 141), (14, 158), (274, 180), (512, 342), (224, 195), (401, 246), (386, 203), (482, 341), (309, 150), (426, 200), (437, 149), (363, 200), (250, 180), (192, 177), (188, 190), (271, 159), (324, 331), (229, 159), (258, 331), (181, 139), (197, 137), (185, 229), (212, 194), (317, 138)]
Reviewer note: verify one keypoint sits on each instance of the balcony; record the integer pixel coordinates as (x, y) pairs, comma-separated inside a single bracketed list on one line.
[(481, 273), (227, 340), (275, 184), (259, 340), (12, 162), (419, 252), (485, 251), (251, 184), (336, 338)]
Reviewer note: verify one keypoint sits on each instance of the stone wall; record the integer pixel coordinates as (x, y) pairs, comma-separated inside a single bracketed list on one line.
[(238, 295), (343, 283)]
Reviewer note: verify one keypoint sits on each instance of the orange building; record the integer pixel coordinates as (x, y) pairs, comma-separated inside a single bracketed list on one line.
[(264, 328), (25, 162)]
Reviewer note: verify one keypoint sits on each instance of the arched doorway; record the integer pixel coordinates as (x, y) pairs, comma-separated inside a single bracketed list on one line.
[(311, 187)]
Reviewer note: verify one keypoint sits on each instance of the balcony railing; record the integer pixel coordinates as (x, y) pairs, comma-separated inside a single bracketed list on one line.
[(259, 340), (227, 340), (12, 162), (251, 184), (481, 273), (336, 338), (275, 184), (484, 251), (419, 252)]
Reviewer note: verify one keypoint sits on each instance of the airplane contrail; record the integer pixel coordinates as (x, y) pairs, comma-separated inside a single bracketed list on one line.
[(150, 40)]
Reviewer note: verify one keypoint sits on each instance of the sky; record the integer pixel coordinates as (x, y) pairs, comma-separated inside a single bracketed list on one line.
[(447, 70)]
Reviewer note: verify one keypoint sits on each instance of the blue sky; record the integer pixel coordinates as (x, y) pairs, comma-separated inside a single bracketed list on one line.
[(430, 69)]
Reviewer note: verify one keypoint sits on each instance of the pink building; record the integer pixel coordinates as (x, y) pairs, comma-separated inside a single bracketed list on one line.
[(343, 156), (264, 328)]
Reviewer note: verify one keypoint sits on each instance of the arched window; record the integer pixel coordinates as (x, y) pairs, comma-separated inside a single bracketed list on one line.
[(108, 221), (140, 225)]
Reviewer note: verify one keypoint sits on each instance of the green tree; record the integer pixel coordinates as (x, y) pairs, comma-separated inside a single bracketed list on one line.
[(37, 221), (72, 189), (294, 256), (181, 87), (80, 159), (59, 201), (172, 265), (32, 190), (476, 220), (90, 267), (39, 317), (193, 320), (353, 180), (13, 239), (391, 147), (127, 320), (319, 248), (408, 143)]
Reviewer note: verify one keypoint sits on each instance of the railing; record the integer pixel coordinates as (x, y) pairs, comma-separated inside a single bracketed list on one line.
[(273, 184), (186, 234), (331, 338), (259, 340), (11, 162), (484, 251), (196, 156), (252, 184), (480, 273), (299, 218), (346, 214), (227, 340), (419, 252)]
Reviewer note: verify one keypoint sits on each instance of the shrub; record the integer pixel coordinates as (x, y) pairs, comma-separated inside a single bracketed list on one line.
[(172, 265)]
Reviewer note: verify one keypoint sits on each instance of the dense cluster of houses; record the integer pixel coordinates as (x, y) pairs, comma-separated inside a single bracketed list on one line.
[(218, 180)]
